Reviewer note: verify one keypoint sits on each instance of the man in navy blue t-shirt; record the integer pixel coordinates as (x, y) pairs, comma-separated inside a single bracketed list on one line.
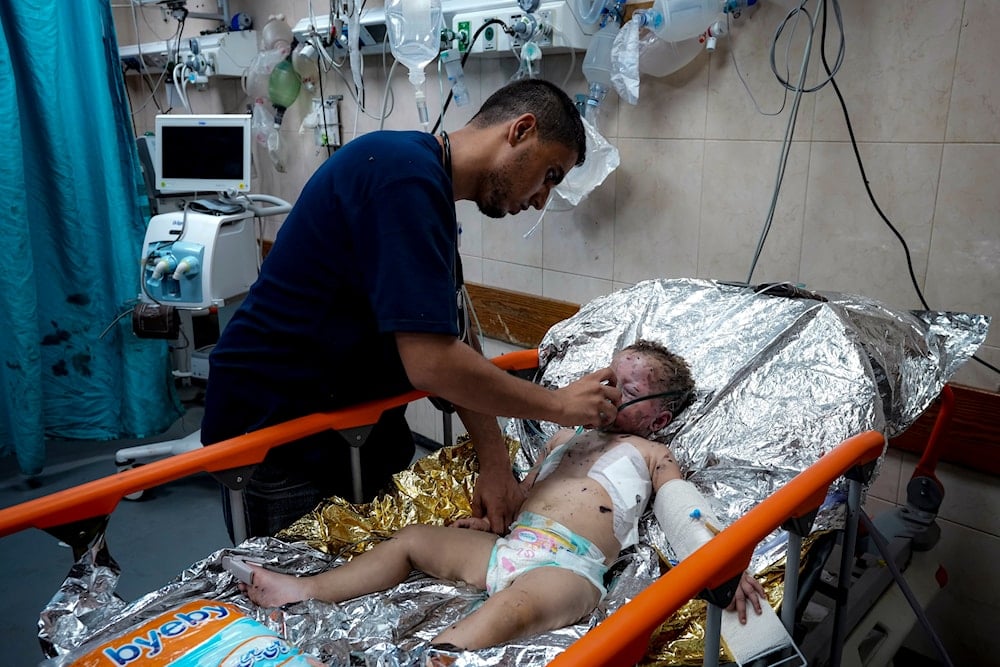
[(357, 301)]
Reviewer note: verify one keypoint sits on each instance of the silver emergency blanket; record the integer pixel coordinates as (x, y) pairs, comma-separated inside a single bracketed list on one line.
[(782, 376)]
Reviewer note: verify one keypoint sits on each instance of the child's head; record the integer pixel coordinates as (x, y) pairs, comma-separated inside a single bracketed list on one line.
[(646, 368)]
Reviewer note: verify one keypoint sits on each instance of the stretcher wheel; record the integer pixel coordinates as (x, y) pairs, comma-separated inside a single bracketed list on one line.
[(128, 465)]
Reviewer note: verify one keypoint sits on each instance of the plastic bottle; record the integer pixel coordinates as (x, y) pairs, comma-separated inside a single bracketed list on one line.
[(414, 32), (415, 38), (306, 63), (677, 20), (597, 61), (282, 88)]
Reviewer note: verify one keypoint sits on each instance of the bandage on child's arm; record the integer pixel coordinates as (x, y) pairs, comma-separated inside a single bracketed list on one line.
[(682, 512), (697, 515)]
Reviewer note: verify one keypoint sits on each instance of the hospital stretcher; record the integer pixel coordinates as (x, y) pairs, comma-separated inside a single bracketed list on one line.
[(619, 640)]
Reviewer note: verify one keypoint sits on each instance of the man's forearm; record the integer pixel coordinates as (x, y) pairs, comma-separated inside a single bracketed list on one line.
[(488, 441), (454, 371)]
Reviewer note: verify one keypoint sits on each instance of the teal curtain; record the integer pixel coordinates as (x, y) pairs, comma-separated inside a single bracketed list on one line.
[(71, 230)]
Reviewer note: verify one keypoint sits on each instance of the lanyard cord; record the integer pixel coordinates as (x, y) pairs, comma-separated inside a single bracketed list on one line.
[(446, 143)]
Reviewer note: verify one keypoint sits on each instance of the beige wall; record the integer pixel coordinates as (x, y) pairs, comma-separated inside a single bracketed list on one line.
[(698, 166)]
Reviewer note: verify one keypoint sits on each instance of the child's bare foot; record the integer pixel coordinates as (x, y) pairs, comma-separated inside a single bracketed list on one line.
[(439, 660), (441, 655), (273, 589)]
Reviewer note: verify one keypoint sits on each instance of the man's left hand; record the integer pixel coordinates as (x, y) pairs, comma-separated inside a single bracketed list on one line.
[(497, 497)]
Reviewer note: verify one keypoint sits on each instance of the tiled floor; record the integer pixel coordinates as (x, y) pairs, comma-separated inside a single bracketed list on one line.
[(152, 539)]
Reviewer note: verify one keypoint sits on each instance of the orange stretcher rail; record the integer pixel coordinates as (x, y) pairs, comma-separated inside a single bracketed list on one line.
[(622, 638), (101, 496)]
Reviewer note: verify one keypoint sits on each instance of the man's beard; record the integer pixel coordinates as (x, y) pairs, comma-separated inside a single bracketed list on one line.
[(492, 206), (498, 185)]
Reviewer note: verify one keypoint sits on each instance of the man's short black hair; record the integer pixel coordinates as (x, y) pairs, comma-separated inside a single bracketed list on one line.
[(557, 116)]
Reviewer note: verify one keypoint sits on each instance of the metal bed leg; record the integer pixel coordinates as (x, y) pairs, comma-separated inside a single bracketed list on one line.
[(238, 515), (846, 569), (793, 559), (713, 635), (359, 496), (356, 438), (446, 434), (904, 586)]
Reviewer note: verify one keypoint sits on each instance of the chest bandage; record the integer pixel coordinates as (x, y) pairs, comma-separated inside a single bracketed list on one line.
[(624, 474)]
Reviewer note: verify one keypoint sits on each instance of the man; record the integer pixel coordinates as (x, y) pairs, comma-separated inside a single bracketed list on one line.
[(357, 301), (582, 507)]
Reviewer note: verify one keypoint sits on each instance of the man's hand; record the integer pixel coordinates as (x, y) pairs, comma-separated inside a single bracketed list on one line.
[(497, 497), (472, 523), (749, 589), (592, 401)]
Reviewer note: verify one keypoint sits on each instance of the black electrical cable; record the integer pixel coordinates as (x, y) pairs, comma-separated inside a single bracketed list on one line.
[(864, 179), (465, 57), (177, 40), (682, 393)]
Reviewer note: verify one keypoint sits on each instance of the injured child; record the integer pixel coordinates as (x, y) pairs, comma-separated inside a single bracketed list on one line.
[(582, 505)]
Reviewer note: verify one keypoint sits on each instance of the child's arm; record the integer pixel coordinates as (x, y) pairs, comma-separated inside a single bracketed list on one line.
[(662, 466), (687, 522)]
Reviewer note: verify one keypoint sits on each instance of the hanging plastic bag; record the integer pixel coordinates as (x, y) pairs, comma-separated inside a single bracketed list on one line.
[(261, 122), (259, 72), (266, 134), (625, 62), (602, 159)]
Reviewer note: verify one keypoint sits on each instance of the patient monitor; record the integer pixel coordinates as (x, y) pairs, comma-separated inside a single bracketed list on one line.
[(203, 257)]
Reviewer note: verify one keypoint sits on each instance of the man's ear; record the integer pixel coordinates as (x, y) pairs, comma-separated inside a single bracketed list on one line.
[(662, 420), (521, 128)]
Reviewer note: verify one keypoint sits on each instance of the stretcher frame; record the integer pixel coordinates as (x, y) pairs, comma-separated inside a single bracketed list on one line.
[(622, 638)]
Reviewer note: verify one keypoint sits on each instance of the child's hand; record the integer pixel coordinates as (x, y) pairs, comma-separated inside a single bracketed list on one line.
[(472, 523), (749, 589)]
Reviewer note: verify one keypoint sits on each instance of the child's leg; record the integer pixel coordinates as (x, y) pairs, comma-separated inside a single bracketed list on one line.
[(440, 551), (542, 599)]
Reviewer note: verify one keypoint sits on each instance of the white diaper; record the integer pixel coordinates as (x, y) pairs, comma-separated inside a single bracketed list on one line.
[(535, 541)]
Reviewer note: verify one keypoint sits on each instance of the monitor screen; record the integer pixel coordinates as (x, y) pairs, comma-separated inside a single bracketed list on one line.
[(202, 153)]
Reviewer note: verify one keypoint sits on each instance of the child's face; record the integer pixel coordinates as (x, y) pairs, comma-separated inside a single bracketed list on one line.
[(637, 377)]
